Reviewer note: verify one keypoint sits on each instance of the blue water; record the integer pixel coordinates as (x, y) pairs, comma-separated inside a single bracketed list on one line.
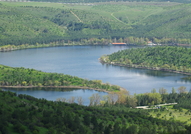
[(82, 61), (53, 95)]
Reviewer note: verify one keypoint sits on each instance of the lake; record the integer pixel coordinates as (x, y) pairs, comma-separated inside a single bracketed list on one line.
[(54, 94), (82, 61)]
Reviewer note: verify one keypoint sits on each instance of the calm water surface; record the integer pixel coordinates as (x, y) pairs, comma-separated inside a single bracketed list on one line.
[(51, 94), (82, 61)]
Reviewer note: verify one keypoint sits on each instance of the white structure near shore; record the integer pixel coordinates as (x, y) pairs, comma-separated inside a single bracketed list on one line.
[(150, 43)]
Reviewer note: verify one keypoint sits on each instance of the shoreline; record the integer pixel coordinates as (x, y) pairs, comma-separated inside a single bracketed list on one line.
[(9, 48), (78, 87), (149, 68)]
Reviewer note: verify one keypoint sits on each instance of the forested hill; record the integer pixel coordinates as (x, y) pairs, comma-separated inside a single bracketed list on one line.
[(160, 58), (40, 22), (24, 114), (21, 77)]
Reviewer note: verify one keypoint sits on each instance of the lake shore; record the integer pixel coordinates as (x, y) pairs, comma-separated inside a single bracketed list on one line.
[(150, 68), (78, 87), (9, 48)]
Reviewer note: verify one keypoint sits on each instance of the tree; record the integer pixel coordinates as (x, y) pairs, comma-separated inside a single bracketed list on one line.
[(39, 84), (122, 96), (173, 90), (94, 99), (131, 101), (162, 91), (72, 99), (87, 120), (120, 40), (155, 97), (80, 100), (153, 90), (107, 130), (56, 83), (128, 62), (112, 98), (102, 103), (145, 130), (19, 127), (24, 83), (182, 89), (94, 121), (132, 129)]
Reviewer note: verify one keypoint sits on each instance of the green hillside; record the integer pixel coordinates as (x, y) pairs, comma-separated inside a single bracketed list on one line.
[(19, 25), (40, 22), (173, 22), (168, 58)]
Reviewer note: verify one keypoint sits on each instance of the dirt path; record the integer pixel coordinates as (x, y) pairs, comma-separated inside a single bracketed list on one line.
[(147, 107), (117, 19), (76, 16)]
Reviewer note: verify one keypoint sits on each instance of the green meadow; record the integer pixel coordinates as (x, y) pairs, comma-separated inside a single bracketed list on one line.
[(169, 113)]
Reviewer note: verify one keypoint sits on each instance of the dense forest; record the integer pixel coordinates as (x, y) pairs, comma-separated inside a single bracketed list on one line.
[(21, 77), (38, 23), (169, 58), (28, 115)]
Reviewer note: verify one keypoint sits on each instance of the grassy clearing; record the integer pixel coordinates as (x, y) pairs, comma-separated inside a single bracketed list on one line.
[(183, 115)]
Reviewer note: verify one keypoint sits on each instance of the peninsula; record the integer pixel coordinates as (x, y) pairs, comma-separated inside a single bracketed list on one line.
[(165, 58)]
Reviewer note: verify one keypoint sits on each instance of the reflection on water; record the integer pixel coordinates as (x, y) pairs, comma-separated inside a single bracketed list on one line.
[(143, 80), (44, 89), (147, 72), (55, 93)]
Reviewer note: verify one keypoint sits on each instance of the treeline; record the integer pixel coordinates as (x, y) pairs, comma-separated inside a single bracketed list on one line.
[(169, 58), (180, 96), (21, 77), (99, 41), (26, 114), (121, 98)]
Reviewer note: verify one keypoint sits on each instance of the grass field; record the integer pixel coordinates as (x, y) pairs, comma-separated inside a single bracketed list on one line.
[(183, 115)]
